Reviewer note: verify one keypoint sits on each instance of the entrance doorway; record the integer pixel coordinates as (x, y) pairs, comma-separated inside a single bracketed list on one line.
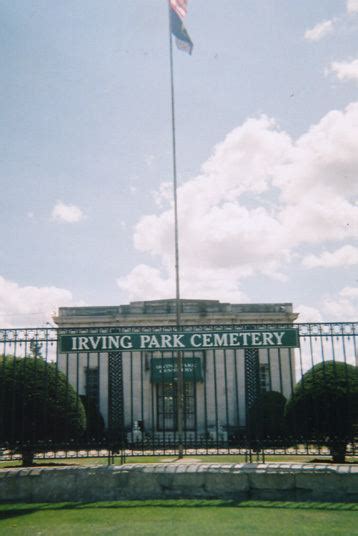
[(167, 402)]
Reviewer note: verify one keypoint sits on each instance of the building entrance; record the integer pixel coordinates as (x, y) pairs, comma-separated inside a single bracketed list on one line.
[(167, 404)]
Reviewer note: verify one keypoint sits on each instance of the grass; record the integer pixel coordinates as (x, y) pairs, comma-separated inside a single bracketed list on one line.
[(162, 459), (180, 517)]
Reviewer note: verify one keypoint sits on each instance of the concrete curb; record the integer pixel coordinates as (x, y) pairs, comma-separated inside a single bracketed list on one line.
[(273, 481)]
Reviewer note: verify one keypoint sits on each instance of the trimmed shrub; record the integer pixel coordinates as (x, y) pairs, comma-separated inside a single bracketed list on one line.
[(40, 407), (324, 406)]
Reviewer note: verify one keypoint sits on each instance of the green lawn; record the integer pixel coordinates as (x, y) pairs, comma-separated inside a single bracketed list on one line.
[(180, 517)]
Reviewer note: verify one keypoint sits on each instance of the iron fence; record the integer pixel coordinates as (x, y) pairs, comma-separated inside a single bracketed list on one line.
[(251, 401)]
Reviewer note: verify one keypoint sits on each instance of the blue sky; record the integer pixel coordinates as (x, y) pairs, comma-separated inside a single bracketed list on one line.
[(267, 139)]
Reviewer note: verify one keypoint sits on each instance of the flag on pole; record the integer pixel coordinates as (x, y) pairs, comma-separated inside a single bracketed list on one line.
[(179, 7), (178, 10)]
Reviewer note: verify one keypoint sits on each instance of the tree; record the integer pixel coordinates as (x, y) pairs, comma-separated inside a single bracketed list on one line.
[(324, 406), (266, 419), (38, 406)]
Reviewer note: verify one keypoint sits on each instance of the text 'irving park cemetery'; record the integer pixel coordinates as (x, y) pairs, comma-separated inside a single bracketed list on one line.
[(95, 342)]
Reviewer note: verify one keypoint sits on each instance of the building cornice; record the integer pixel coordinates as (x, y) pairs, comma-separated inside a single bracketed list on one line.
[(162, 312)]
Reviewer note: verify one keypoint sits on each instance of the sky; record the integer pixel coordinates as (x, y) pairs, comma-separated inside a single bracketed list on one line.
[(267, 155)]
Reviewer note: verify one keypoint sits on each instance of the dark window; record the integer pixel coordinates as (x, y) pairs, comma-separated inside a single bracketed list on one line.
[(264, 373), (92, 384)]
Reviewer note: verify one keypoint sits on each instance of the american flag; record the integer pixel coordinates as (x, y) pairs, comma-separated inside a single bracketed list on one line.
[(182, 38), (180, 7)]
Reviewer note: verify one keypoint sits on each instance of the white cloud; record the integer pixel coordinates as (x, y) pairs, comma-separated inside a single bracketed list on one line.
[(352, 6), (344, 305), (214, 226), (257, 198), (147, 283), (321, 30), (332, 307), (323, 161), (30, 306), (345, 70), (345, 256), (308, 314), (66, 213)]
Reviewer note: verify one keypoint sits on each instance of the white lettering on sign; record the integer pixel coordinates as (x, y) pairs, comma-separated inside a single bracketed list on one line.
[(279, 337), (267, 339), (162, 341), (195, 340), (126, 341), (94, 342), (172, 341), (207, 340), (166, 341), (113, 343), (144, 339), (234, 339), (220, 339), (244, 339), (153, 343), (177, 343), (83, 343), (256, 339)]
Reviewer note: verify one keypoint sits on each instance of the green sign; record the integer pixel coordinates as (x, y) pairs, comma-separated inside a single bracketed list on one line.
[(195, 340), (165, 370)]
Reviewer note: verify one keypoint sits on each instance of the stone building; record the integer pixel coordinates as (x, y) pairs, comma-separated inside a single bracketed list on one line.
[(136, 387)]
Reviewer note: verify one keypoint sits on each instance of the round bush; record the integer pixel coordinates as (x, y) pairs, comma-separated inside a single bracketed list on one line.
[(38, 405), (324, 405)]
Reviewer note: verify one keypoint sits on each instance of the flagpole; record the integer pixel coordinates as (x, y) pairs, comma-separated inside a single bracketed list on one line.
[(179, 360)]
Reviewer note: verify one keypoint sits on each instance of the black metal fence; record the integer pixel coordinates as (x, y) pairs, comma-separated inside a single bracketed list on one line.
[(269, 401)]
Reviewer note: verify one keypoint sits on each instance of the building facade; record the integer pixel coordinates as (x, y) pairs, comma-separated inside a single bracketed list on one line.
[(136, 388)]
